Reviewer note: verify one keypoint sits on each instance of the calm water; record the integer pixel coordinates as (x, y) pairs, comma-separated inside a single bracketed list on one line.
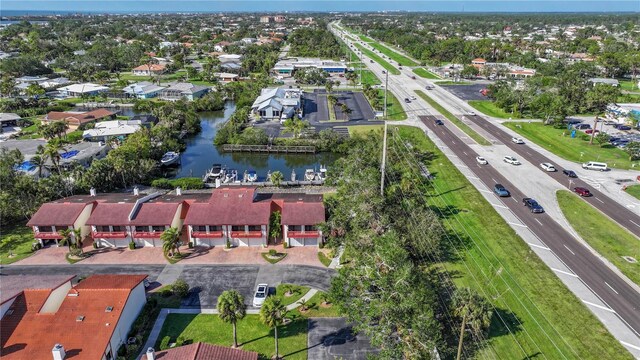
[(201, 153)]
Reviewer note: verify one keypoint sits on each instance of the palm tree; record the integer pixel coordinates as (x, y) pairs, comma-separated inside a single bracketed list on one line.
[(276, 178), (328, 86), (171, 241), (66, 236), (77, 234), (52, 150), (474, 311), (231, 308), (39, 162), (295, 126), (272, 314)]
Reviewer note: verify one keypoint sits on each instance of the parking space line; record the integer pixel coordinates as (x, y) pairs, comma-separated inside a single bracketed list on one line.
[(564, 272), (610, 287), (539, 246), (514, 199), (598, 306)]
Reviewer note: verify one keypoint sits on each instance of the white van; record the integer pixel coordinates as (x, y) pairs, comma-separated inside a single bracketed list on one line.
[(593, 165)]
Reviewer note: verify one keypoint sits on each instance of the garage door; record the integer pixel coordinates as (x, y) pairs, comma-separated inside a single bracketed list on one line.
[(311, 242), (210, 242), (255, 242), (295, 242), (115, 242), (152, 242)]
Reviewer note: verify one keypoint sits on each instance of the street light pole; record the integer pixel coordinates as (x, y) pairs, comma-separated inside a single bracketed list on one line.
[(386, 85), (384, 159)]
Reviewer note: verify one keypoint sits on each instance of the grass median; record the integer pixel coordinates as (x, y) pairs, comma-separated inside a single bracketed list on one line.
[(488, 108), (393, 55), (457, 122), (560, 142), (603, 234), (424, 73), (545, 319), (385, 64), (634, 190)]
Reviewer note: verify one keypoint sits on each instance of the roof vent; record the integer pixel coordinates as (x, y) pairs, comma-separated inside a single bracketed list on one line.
[(108, 309), (92, 191), (151, 354), (136, 191), (58, 352), (178, 191), (80, 318)]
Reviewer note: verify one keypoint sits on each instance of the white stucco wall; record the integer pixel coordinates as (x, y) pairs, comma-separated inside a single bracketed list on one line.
[(56, 298), (131, 310), (81, 221)]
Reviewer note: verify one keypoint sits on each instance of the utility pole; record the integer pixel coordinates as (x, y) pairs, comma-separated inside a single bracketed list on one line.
[(384, 159), (386, 85), (464, 322)]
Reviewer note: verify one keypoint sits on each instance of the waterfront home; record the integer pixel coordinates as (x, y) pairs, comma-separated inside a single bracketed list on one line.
[(179, 90), (107, 130), (82, 154), (85, 89), (149, 69), (48, 317), (77, 118), (64, 214), (300, 222), (277, 104), (227, 77), (143, 90)]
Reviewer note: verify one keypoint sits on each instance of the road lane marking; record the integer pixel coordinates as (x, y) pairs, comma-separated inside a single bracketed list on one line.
[(464, 152), (634, 223), (610, 287), (514, 199), (494, 180), (500, 206), (539, 246), (569, 249), (598, 306), (538, 221), (517, 224), (599, 200), (529, 153), (564, 272)]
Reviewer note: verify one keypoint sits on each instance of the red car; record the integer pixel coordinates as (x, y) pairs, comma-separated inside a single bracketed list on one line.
[(582, 191), (589, 131)]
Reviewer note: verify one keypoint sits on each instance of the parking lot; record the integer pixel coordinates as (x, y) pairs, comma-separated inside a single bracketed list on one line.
[(619, 137), (467, 92), (333, 338)]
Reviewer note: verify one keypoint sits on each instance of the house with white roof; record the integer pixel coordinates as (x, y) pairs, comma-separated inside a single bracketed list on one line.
[(86, 89), (105, 130), (179, 90), (143, 90), (278, 103)]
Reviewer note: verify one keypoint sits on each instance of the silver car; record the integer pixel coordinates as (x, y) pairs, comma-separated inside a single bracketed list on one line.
[(261, 294)]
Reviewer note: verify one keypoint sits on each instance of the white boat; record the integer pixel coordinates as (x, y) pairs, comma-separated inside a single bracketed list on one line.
[(309, 175), (216, 172), (170, 158), (322, 175), (230, 176), (252, 176)]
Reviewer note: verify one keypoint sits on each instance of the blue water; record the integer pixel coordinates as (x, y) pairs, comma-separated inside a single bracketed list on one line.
[(201, 154)]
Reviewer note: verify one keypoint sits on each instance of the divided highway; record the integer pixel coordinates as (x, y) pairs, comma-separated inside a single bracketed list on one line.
[(606, 284)]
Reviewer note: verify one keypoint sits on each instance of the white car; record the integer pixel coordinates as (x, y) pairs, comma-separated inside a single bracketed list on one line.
[(261, 294), (413, 97), (481, 160), (517, 140), (471, 113), (548, 167), (511, 160)]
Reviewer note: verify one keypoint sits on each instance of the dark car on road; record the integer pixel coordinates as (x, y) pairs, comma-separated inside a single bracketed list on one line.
[(532, 205), (501, 190), (570, 173), (439, 122), (582, 191), (407, 100)]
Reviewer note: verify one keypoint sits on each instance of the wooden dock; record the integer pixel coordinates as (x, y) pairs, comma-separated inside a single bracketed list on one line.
[(269, 149)]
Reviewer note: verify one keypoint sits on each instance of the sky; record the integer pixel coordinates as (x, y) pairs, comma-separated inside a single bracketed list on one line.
[(13, 7)]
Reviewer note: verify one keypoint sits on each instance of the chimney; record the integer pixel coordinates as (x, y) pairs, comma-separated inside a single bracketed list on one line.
[(92, 191), (58, 352), (136, 191), (151, 354), (178, 191)]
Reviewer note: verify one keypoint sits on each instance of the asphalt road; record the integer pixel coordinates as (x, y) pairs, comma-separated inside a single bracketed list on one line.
[(613, 209), (607, 285), (466, 92), (333, 338)]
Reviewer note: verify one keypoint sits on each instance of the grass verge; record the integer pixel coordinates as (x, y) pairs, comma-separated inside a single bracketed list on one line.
[(457, 122), (297, 292), (424, 73), (317, 309), (273, 260), (324, 259), (394, 109), (362, 129), (390, 68), (604, 235), (253, 335), (15, 239), (634, 190), (368, 77), (450, 82), (560, 142), (545, 319), (488, 108), (393, 55)]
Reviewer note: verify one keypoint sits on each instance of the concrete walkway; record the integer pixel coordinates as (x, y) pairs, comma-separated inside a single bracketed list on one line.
[(335, 262)]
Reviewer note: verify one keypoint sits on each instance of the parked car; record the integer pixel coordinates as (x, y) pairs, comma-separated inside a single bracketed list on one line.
[(610, 122), (481, 160), (511, 160), (582, 126), (439, 122), (429, 87), (582, 191), (501, 190), (400, 68), (548, 167), (371, 61), (517, 140), (594, 165), (384, 72), (533, 205), (261, 294), (623, 127), (569, 173), (590, 131)]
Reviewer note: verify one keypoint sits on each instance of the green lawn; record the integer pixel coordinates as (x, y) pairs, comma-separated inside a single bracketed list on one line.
[(604, 235), (31, 132), (253, 335), (577, 149), (451, 82), (316, 309), (457, 122), (297, 293), (634, 190), (324, 259), (390, 68), (393, 55), (629, 85), (15, 238), (362, 129), (368, 77), (365, 38), (488, 108), (538, 308), (424, 73), (394, 109)]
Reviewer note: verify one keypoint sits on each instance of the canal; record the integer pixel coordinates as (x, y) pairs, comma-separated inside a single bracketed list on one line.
[(200, 153)]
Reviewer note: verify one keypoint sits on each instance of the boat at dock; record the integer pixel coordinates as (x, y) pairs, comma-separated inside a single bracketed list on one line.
[(230, 176), (252, 176), (309, 175), (170, 158), (217, 172)]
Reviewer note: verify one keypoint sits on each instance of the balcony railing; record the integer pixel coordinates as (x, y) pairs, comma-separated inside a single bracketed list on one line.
[(247, 234), (109, 234), (202, 234), (306, 234), (47, 235), (147, 234)]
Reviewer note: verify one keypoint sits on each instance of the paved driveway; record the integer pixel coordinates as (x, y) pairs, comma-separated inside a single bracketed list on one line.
[(315, 107), (332, 338)]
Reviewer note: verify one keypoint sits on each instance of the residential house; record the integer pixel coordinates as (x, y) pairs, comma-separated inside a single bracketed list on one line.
[(64, 214), (88, 321), (227, 77), (149, 69), (78, 118), (54, 83), (577, 57), (478, 63), (143, 90), (230, 58), (200, 351), (86, 89), (9, 119), (178, 90), (520, 73), (606, 81), (81, 154), (107, 130), (278, 103), (220, 47), (12, 286), (300, 222)]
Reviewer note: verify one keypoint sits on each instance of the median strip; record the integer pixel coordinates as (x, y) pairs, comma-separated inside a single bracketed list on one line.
[(457, 122), (390, 68)]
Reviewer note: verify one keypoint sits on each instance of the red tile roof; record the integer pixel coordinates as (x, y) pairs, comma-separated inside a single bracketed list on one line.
[(110, 214), (202, 351), (230, 206), (155, 214), (13, 285), (79, 118), (63, 214), (152, 67), (27, 334), (300, 213)]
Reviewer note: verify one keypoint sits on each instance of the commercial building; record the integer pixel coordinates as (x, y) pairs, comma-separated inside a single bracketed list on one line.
[(278, 104), (288, 67)]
